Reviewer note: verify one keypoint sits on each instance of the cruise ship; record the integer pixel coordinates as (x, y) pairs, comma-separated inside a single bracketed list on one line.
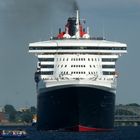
[(76, 79)]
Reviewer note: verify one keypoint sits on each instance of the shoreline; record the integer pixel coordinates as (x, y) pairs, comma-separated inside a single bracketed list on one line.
[(15, 124)]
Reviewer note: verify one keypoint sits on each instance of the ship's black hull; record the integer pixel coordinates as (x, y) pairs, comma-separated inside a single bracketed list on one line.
[(77, 108)]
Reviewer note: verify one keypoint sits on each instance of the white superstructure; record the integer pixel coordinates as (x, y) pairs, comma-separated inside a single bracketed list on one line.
[(77, 60)]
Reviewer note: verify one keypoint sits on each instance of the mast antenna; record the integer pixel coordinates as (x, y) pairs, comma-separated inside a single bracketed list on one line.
[(77, 25)]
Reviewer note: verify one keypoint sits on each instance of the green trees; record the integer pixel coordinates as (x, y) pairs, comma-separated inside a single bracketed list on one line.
[(11, 111), (33, 110), (27, 115), (24, 115), (124, 112), (133, 104)]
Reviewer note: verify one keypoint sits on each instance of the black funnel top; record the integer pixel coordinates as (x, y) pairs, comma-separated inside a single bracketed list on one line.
[(72, 26)]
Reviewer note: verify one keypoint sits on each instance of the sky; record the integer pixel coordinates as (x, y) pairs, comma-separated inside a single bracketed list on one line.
[(26, 21)]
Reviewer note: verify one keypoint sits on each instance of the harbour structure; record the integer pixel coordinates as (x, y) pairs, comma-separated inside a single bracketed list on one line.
[(76, 80)]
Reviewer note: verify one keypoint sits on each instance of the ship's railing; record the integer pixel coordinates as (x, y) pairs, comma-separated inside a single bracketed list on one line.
[(94, 79), (91, 38)]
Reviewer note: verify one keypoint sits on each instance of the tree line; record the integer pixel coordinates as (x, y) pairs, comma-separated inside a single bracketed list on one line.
[(23, 116), (26, 115)]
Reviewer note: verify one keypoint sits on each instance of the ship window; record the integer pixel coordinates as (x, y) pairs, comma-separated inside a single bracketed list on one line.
[(65, 65), (88, 59), (47, 66), (108, 73), (109, 59), (61, 66), (67, 59), (46, 59), (63, 59), (47, 73), (108, 66), (90, 66)]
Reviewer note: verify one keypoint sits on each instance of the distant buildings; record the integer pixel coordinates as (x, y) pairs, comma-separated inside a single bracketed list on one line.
[(24, 109), (4, 118)]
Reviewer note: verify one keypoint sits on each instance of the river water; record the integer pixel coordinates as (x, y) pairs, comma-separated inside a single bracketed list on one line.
[(119, 133)]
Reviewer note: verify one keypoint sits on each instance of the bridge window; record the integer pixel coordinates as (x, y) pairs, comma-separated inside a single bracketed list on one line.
[(108, 66), (77, 48), (109, 59), (108, 73), (47, 66), (46, 72), (46, 59)]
